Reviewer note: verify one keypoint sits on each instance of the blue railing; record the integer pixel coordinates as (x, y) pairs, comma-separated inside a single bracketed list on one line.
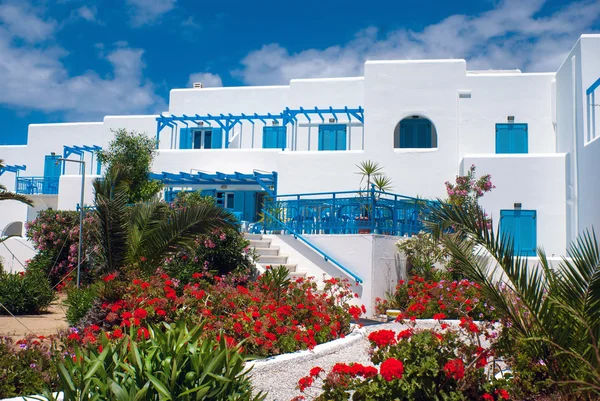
[(310, 244), (349, 212), (37, 185)]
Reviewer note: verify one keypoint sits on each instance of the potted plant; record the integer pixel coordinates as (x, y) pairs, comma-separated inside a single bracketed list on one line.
[(372, 182)]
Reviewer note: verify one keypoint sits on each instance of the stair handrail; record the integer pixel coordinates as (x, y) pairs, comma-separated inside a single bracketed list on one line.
[(315, 248)]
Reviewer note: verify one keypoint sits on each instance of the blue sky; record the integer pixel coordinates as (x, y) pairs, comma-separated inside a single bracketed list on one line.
[(79, 60)]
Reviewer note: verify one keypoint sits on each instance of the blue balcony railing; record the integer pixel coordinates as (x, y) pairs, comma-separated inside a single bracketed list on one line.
[(350, 212), (37, 185)]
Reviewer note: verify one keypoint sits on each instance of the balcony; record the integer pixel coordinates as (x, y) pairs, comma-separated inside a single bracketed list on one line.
[(37, 185)]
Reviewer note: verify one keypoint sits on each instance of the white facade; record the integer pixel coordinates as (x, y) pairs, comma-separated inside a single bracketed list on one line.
[(556, 177)]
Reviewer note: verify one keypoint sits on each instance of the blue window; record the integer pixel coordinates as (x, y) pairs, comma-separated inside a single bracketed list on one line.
[(200, 138), (52, 166), (415, 133), (511, 138), (332, 137), (520, 227), (274, 137)]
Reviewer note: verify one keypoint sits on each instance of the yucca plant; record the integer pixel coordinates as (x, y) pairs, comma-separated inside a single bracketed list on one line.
[(142, 235), (555, 309), (166, 362)]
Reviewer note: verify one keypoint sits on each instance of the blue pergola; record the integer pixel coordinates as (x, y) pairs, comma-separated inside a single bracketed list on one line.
[(80, 151), (14, 168), (267, 181), (228, 121)]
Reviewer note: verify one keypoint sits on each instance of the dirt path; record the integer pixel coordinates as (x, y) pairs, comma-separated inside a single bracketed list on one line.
[(46, 324)]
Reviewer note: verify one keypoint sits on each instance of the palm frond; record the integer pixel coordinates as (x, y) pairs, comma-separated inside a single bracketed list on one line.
[(166, 236), (7, 195), (111, 209)]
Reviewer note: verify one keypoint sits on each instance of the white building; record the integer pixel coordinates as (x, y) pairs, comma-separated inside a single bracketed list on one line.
[(424, 121)]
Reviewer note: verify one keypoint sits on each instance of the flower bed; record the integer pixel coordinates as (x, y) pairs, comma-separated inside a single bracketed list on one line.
[(273, 315), (423, 299)]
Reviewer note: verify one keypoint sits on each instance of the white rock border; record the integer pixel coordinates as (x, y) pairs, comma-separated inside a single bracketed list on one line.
[(317, 352)]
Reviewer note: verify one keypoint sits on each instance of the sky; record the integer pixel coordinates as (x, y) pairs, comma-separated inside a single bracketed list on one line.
[(79, 60)]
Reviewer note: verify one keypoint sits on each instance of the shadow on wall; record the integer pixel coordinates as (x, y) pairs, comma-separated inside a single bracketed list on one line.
[(318, 261)]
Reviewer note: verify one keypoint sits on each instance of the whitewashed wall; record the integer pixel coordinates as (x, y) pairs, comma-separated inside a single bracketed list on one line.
[(537, 181)]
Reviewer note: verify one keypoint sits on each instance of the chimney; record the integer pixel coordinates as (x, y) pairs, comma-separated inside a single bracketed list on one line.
[(198, 85)]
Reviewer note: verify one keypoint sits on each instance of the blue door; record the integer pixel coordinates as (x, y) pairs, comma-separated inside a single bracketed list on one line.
[(511, 138), (274, 137), (52, 166), (520, 227), (332, 137)]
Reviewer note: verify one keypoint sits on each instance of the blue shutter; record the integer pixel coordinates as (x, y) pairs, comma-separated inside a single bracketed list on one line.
[(250, 206), (527, 232), (217, 138), (185, 138), (52, 166), (340, 138), (508, 227), (269, 138), (281, 137), (238, 201), (503, 138), (519, 138)]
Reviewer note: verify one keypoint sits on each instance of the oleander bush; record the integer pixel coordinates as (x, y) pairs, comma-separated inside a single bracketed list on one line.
[(25, 293)]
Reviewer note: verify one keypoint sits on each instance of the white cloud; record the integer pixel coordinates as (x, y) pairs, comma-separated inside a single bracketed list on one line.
[(208, 80), (87, 13), (34, 78), (148, 11), (511, 35), (23, 21)]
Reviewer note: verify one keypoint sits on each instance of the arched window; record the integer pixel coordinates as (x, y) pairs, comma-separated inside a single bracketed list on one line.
[(415, 132), (14, 228)]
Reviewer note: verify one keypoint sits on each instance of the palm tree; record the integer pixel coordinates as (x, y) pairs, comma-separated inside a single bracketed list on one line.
[(5, 195), (144, 234), (368, 169), (558, 308)]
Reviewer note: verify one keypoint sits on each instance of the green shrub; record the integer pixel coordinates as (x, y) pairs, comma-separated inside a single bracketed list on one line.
[(25, 293), (79, 301), (26, 367), (164, 362)]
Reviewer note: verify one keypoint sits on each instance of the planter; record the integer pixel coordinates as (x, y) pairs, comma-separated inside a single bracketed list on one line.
[(363, 221), (392, 314)]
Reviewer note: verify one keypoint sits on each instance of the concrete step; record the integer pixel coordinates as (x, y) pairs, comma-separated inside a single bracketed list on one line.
[(297, 274), (274, 251), (251, 237), (260, 243), (273, 260), (292, 267)]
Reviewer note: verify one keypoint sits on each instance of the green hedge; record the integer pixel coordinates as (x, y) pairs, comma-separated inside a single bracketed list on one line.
[(25, 293)]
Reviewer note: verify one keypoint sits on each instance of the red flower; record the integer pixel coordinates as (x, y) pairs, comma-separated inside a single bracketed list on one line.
[(140, 313), (74, 336), (117, 333), (145, 285), (126, 315), (439, 316), (196, 275), (160, 312), (304, 383), (383, 338), (110, 277), (503, 394), (143, 332), (391, 369), (315, 371), (455, 368), (487, 397), (405, 334)]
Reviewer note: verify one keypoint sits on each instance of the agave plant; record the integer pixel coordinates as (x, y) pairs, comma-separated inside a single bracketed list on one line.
[(142, 235), (558, 308), (163, 362)]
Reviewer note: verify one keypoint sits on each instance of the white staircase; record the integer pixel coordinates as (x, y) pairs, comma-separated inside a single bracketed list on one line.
[(269, 255)]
